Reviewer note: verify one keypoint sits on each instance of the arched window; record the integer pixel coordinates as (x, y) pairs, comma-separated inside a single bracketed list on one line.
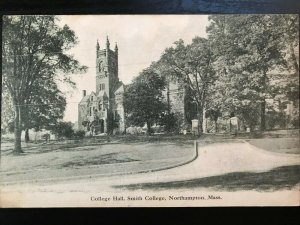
[(104, 105), (100, 66)]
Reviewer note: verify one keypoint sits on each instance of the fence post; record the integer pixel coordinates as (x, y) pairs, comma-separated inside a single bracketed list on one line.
[(196, 147)]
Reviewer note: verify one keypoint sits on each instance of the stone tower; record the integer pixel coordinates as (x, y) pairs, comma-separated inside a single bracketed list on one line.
[(103, 111), (107, 77)]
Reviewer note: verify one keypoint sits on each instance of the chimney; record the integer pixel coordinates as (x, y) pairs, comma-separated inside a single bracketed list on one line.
[(83, 93)]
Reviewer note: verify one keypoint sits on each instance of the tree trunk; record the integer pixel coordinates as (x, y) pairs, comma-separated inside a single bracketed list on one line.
[(262, 115), (200, 123), (251, 126), (168, 99), (148, 128), (200, 118), (263, 104), (216, 126), (27, 135), (17, 131), (293, 57), (204, 125)]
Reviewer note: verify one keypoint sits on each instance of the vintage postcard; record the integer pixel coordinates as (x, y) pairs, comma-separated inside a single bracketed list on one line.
[(150, 110)]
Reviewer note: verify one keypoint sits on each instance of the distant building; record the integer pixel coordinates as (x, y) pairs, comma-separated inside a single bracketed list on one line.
[(175, 95), (103, 111), (175, 98), (75, 126)]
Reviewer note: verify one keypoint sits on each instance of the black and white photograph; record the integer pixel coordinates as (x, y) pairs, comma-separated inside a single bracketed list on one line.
[(150, 110)]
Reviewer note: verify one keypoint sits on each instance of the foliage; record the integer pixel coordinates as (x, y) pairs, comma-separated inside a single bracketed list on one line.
[(276, 119), (143, 100), (288, 28), (192, 66), (171, 122), (7, 112), (33, 55), (46, 107), (232, 71), (86, 124), (190, 107), (63, 129), (79, 134), (112, 122), (248, 48)]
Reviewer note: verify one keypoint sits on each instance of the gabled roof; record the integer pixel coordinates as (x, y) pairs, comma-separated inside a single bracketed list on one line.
[(102, 94), (85, 99), (93, 94), (120, 89)]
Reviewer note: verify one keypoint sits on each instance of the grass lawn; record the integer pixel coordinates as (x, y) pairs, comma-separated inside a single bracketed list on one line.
[(280, 145), (42, 146), (63, 160)]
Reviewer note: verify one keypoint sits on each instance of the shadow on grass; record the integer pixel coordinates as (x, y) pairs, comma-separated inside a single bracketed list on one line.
[(281, 145), (110, 158), (285, 177), (81, 145)]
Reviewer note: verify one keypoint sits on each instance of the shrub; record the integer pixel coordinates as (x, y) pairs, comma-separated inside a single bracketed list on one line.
[(63, 129), (79, 134), (276, 120), (172, 122)]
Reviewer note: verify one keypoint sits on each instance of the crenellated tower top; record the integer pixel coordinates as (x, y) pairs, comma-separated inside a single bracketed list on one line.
[(106, 68)]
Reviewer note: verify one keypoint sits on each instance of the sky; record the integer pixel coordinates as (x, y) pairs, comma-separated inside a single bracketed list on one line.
[(141, 40)]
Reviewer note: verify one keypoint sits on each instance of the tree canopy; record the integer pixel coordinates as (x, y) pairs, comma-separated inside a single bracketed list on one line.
[(192, 66), (34, 58), (144, 101), (248, 49), (246, 62)]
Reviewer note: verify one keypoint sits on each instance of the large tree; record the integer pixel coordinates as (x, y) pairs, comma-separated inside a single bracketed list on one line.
[(248, 49), (144, 101), (192, 67), (44, 108), (33, 51)]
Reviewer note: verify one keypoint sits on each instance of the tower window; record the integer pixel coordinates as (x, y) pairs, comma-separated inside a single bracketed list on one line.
[(100, 66), (102, 87), (90, 111), (92, 98)]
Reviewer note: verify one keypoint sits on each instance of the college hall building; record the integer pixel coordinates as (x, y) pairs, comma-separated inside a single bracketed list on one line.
[(103, 111)]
